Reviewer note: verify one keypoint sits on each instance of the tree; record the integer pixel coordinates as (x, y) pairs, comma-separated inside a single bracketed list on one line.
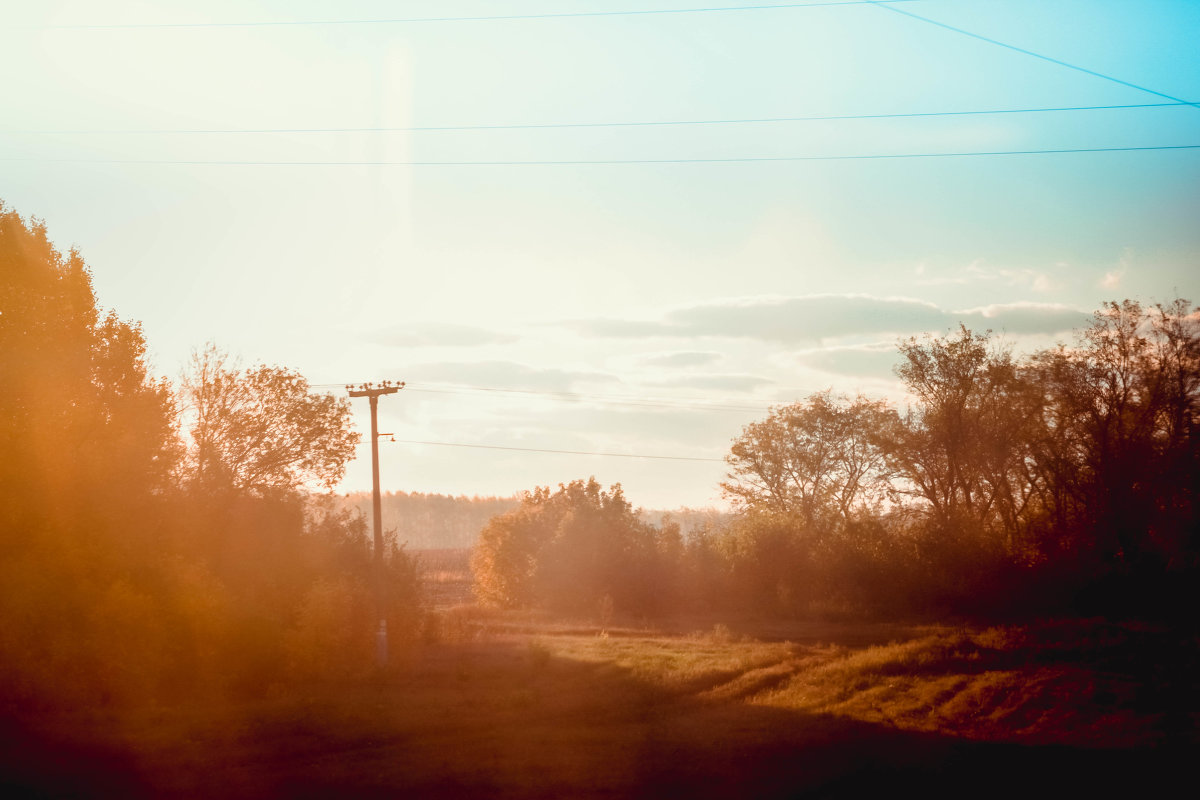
[(261, 430), (568, 550), (87, 446), (965, 448), (85, 432), (1124, 414), (819, 460)]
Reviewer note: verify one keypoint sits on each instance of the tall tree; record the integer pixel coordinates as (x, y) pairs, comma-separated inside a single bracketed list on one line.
[(84, 430), (819, 460), (964, 448), (1126, 415), (262, 430)]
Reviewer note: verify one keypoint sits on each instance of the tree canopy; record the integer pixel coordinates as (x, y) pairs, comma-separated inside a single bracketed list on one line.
[(83, 427), (569, 549), (820, 459), (261, 429), (122, 577)]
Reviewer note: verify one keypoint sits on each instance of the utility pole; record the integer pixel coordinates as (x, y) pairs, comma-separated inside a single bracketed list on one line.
[(372, 392)]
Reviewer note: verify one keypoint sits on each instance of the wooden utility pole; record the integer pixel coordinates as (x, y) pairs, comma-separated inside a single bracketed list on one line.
[(372, 392)]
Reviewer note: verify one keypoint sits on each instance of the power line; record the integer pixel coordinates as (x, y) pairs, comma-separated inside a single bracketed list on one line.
[(561, 125), (1023, 51), (561, 452), (616, 399), (630, 400), (488, 18), (602, 162)]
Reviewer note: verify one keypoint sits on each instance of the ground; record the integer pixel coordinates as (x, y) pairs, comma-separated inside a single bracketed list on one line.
[(525, 706)]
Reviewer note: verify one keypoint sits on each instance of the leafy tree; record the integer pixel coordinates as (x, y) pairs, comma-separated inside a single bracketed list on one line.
[(570, 548), (819, 460), (1123, 412), (965, 448), (261, 430), (87, 446), (117, 585), (84, 430)]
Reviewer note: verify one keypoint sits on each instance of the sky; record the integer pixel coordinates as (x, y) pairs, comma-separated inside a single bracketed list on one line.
[(589, 226)]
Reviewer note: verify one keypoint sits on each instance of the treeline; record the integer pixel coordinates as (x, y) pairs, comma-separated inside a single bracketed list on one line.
[(160, 542), (431, 521), (1062, 480), (428, 521)]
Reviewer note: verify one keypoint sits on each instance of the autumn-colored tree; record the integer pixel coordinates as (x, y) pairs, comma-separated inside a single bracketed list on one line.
[(261, 430), (964, 448), (819, 460), (1123, 435), (118, 582), (86, 435), (87, 444), (568, 549)]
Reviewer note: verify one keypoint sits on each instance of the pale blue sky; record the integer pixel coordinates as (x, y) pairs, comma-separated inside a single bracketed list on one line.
[(739, 284)]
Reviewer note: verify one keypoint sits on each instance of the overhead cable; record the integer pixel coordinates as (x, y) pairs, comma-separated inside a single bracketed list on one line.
[(560, 125), (1059, 62), (487, 18), (561, 452), (602, 162), (610, 399)]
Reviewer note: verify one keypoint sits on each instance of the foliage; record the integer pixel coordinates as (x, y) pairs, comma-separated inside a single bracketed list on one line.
[(1068, 476), (261, 429), (1123, 409), (820, 460), (84, 430), (963, 451), (569, 549), (121, 584)]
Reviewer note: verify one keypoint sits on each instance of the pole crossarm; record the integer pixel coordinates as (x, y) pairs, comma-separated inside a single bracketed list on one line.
[(373, 390)]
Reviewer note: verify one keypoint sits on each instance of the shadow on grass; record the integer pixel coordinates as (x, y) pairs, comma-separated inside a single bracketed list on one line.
[(508, 719)]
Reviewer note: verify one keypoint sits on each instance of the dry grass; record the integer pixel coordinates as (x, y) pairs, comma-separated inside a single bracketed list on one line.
[(522, 706), (1054, 684)]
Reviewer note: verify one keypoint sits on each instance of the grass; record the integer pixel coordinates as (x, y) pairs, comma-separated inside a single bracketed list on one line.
[(1053, 684), (524, 706)]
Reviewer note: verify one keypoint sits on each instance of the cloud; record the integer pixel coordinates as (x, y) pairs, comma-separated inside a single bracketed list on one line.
[(979, 273), (1044, 318), (863, 361), (687, 358), (620, 328), (439, 334), (816, 318), (734, 383), (788, 319), (504, 375), (1112, 279)]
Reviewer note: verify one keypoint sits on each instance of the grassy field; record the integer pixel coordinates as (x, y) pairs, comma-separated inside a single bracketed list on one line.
[(525, 706)]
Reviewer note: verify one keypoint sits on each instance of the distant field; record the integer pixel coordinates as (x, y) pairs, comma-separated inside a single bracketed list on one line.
[(517, 705), (445, 577)]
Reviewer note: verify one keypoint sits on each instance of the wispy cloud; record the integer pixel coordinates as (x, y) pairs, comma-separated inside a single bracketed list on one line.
[(813, 319), (505, 375), (438, 334), (681, 359), (1115, 276), (978, 272), (874, 360), (1025, 317), (732, 383)]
